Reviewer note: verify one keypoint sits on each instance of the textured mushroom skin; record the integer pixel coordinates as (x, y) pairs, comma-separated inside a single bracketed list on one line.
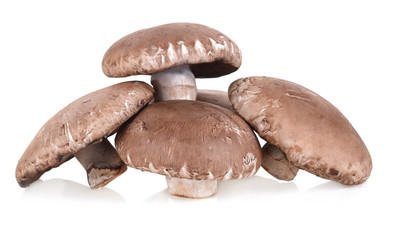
[(313, 134), (83, 122), (189, 139), (216, 97), (209, 52)]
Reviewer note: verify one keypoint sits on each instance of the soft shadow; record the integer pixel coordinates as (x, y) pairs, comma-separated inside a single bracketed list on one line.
[(253, 187), (327, 186), (159, 197), (335, 186), (68, 190), (165, 197)]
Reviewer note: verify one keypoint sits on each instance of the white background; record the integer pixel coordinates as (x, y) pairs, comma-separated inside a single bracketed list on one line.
[(50, 55)]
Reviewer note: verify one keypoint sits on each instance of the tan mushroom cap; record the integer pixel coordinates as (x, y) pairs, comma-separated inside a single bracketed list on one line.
[(189, 140), (310, 131), (87, 120), (209, 52)]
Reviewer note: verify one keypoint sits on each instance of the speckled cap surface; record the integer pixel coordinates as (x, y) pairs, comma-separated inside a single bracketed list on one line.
[(189, 139), (209, 52), (87, 120), (310, 131)]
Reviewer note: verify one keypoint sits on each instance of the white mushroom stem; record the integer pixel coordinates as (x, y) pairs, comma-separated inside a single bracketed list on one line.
[(174, 83), (191, 188), (101, 162), (276, 163)]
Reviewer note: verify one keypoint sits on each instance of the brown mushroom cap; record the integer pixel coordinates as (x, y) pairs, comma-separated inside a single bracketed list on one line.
[(209, 52), (189, 139), (85, 121), (216, 97), (310, 131)]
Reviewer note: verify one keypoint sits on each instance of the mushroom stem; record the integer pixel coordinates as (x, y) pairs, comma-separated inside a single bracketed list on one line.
[(101, 162), (276, 163), (174, 83), (191, 188)]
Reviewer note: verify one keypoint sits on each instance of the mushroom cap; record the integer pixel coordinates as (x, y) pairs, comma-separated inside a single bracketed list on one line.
[(310, 131), (189, 139), (85, 121), (216, 97), (209, 52)]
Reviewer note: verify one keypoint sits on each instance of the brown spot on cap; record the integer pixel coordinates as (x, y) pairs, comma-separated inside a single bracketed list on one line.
[(333, 172)]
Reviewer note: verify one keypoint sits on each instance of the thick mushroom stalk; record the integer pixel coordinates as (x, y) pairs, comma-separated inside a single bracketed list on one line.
[(191, 188), (276, 163), (174, 83), (101, 162)]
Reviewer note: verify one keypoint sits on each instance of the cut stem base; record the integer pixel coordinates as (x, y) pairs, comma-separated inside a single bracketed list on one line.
[(101, 162), (191, 188), (276, 163)]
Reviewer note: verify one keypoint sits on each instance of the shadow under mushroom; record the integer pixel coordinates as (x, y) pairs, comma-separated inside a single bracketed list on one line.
[(54, 189), (250, 188)]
